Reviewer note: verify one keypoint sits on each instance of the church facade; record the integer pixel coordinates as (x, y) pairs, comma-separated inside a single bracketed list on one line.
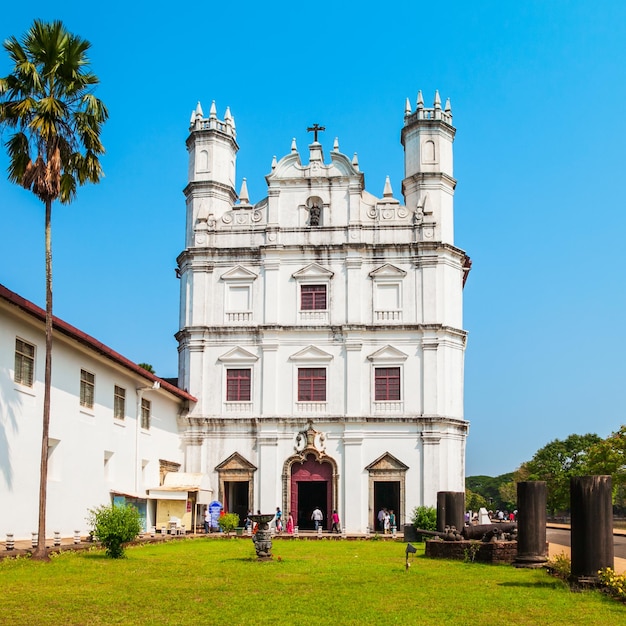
[(321, 328)]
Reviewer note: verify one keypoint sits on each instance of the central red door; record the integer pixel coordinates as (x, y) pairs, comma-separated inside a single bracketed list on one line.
[(311, 486)]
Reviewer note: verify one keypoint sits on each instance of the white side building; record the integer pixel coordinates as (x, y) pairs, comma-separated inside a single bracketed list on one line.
[(321, 328), (114, 427)]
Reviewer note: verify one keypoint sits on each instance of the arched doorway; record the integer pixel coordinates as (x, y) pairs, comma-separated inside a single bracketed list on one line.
[(311, 486), (310, 479)]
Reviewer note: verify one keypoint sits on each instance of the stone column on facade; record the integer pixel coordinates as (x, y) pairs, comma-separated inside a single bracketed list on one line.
[(271, 293), (427, 268), (430, 466), (592, 525), (353, 507), (531, 524), (354, 304), (269, 487), (202, 294), (354, 209), (430, 376), (195, 350), (193, 453), (353, 382), (273, 206), (269, 379)]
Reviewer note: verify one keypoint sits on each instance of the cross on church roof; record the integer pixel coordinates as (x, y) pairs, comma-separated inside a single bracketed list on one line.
[(316, 128)]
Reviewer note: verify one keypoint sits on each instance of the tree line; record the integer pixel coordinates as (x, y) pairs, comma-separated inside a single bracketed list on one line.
[(556, 463)]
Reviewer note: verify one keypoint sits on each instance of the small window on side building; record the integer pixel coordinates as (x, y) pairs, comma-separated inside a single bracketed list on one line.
[(119, 403), (87, 388), (145, 413), (24, 363)]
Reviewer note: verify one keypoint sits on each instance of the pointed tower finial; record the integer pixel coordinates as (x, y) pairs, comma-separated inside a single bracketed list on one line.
[(193, 118), (273, 162), (232, 120), (213, 111), (387, 191), (420, 100), (336, 145), (227, 116), (243, 193), (448, 108), (355, 162), (437, 100), (294, 148), (198, 110), (407, 108)]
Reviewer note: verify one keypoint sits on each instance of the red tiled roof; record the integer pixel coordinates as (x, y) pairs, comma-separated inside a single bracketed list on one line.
[(78, 335)]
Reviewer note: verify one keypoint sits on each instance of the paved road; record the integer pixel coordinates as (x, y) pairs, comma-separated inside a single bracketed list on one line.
[(562, 537)]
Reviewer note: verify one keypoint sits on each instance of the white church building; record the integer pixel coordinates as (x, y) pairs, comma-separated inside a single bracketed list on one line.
[(322, 328), (321, 352)]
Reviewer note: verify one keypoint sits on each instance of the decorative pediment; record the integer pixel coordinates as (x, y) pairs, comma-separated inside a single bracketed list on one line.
[(239, 273), (387, 463), (238, 355), (235, 463), (343, 165), (387, 354), (313, 272), (387, 271), (311, 353)]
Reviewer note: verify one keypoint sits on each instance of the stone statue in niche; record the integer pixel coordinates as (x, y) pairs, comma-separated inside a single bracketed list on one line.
[(420, 209), (315, 214)]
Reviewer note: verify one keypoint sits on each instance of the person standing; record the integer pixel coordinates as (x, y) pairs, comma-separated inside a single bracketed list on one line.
[(381, 519), (279, 520), (392, 519), (336, 524), (207, 520), (386, 522), (317, 516), (290, 524)]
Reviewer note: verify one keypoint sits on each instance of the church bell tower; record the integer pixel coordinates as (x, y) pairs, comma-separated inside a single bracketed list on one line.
[(212, 147), (428, 184)]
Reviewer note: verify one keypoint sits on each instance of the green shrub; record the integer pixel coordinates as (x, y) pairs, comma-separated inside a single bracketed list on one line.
[(115, 525), (228, 522), (560, 566), (425, 517)]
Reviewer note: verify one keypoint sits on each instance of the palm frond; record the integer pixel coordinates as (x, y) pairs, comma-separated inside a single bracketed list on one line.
[(48, 98)]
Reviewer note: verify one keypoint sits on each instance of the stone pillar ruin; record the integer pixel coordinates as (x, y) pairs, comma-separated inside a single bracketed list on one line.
[(450, 510), (592, 526), (532, 548)]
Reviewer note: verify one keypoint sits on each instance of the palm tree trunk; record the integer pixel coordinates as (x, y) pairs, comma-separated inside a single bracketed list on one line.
[(41, 552)]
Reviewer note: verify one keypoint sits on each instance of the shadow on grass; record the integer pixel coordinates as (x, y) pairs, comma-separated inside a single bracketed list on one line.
[(547, 584)]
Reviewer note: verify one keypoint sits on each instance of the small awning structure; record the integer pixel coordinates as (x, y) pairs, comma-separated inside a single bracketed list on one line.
[(126, 494), (177, 485)]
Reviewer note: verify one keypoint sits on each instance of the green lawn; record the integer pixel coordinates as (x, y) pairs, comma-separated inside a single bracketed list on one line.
[(218, 581)]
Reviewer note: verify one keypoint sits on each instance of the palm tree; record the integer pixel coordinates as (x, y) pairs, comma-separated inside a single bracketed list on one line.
[(47, 102)]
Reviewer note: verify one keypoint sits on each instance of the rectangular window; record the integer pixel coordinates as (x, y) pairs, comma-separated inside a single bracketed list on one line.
[(312, 384), (238, 298), (87, 386), (145, 413), (238, 385), (313, 298), (119, 403), (387, 383), (24, 363)]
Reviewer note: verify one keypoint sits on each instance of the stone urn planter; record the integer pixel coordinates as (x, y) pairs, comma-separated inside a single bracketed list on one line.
[(262, 538)]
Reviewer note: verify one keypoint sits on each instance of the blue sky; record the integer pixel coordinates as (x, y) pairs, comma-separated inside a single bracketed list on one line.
[(537, 91)]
